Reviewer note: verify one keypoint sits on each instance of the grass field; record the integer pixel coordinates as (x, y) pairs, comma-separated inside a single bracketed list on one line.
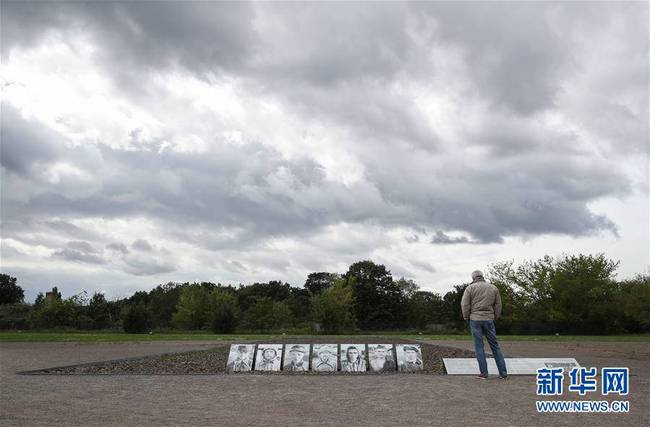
[(15, 336)]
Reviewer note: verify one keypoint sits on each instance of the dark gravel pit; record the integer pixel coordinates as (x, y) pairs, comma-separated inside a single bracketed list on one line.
[(213, 361)]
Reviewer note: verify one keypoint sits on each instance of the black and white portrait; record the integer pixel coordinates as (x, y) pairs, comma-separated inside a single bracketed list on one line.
[(240, 358), (296, 357), (268, 357), (409, 357), (381, 358), (353, 358), (324, 358)]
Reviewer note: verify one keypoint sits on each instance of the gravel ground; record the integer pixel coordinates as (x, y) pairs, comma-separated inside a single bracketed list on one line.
[(213, 361), (410, 400)]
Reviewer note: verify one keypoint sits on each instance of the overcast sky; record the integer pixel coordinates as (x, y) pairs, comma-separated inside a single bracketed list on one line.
[(151, 142)]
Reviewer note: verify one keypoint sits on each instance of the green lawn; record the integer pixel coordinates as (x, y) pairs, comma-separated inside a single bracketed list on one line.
[(14, 336)]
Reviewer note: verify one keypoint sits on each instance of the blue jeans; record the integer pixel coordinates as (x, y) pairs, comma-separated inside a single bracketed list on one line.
[(486, 328)]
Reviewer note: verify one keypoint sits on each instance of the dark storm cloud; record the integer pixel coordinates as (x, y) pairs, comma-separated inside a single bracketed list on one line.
[(69, 230), (80, 245), (25, 143), (517, 63), (137, 36), (142, 245), (345, 65), (251, 187), (80, 251), (254, 188), (336, 62), (329, 60), (118, 247), (441, 238), (147, 266), (423, 265)]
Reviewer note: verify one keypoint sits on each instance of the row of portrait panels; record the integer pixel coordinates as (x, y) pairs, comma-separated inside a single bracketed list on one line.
[(325, 357)]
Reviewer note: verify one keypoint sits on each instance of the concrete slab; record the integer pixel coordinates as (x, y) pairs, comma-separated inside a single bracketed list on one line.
[(515, 366)]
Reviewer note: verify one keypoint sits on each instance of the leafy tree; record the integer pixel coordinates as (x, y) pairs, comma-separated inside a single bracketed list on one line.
[(424, 308), (407, 287), (451, 310), (574, 294), (378, 301), (192, 311), (98, 311), (299, 302), (140, 297), (583, 290), (10, 292), (333, 308), (135, 318), (225, 311), (40, 298), (273, 290), (634, 304), (318, 282), (266, 314), (162, 302)]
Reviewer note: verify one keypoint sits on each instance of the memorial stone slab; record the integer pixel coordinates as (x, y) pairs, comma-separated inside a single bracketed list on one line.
[(353, 358), (381, 358), (324, 358), (409, 357), (240, 358), (515, 365), (268, 357), (296, 357)]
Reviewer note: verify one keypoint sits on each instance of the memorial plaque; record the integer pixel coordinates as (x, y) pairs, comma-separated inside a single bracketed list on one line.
[(296, 357), (514, 365), (268, 357), (240, 358), (353, 358), (381, 358), (324, 358), (409, 357)]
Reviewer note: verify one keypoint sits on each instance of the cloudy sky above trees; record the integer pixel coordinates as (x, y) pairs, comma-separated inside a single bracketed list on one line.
[(236, 142)]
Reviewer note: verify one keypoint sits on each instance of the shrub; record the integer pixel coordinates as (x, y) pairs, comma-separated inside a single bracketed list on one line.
[(56, 313), (14, 316)]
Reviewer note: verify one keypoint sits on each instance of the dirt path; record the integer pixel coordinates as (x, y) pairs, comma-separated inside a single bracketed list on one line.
[(289, 400)]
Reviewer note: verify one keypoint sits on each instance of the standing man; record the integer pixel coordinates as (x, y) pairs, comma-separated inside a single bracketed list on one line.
[(481, 305)]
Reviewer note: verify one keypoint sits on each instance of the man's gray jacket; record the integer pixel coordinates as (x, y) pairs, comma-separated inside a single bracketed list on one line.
[(481, 301)]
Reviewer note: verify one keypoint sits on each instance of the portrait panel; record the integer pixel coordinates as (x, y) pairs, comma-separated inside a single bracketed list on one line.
[(324, 358), (268, 357), (409, 357), (381, 358), (296, 357), (353, 358), (240, 358)]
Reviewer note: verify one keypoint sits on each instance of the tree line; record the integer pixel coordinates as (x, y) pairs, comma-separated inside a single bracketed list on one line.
[(568, 294)]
